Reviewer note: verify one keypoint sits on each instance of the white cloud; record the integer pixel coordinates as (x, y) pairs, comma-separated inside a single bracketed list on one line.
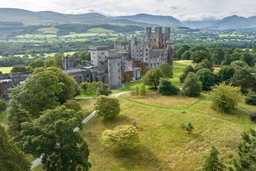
[(181, 9)]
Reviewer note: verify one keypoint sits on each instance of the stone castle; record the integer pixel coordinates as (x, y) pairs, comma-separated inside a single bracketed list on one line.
[(109, 67)]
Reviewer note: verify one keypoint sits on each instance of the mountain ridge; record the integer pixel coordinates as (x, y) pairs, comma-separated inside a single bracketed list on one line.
[(142, 19)]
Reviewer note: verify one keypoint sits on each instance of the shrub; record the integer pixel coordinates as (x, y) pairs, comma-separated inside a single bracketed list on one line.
[(123, 137), (251, 98), (167, 88), (188, 127), (252, 116)]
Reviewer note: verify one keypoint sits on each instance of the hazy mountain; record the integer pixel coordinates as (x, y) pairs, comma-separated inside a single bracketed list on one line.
[(165, 21), (49, 17), (198, 24), (232, 22)]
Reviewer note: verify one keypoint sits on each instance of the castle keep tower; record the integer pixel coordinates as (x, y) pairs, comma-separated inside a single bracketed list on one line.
[(98, 55), (114, 70)]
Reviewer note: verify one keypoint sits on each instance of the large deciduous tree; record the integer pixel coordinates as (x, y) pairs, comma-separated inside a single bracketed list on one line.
[(39, 92), (70, 85), (207, 78), (53, 137), (181, 50), (166, 70), (167, 88), (199, 55), (11, 158), (152, 77), (217, 55), (123, 137), (225, 98), (107, 107), (192, 85), (187, 70), (16, 116)]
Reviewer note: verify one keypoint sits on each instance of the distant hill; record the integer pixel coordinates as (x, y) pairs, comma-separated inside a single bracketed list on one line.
[(54, 18), (165, 21), (232, 22), (198, 24)]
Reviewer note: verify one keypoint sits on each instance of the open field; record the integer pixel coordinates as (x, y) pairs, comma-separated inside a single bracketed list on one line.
[(5, 69), (99, 30), (163, 144)]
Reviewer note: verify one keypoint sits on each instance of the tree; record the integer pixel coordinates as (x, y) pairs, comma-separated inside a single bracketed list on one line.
[(143, 91), (181, 50), (247, 58), (225, 74), (192, 85), (243, 79), (199, 55), (97, 88), (167, 88), (70, 85), (251, 98), (73, 104), (211, 162), (152, 77), (123, 136), (57, 60), (16, 116), (186, 55), (53, 136), (217, 55), (187, 70), (3, 105), (11, 157), (18, 69), (37, 63), (246, 152), (207, 78), (225, 98), (107, 107), (103, 89), (39, 92), (166, 70)]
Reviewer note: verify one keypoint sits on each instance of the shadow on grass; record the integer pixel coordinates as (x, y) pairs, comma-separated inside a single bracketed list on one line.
[(119, 120), (139, 157)]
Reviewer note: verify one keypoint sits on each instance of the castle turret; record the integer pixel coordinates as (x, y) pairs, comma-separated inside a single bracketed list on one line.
[(114, 70), (170, 52)]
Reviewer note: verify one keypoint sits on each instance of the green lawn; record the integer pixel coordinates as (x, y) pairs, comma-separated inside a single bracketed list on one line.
[(5, 69), (99, 30), (163, 144)]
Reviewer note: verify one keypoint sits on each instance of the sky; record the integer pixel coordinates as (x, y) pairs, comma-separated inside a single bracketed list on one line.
[(184, 10)]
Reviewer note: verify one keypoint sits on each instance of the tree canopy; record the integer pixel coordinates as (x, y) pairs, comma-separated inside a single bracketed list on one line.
[(225, 98), (39, 92), (11, 158), (166, 70), (107, 107), (152, 77), (207, 78), (167, 88), (53, 136), (192, 85)]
